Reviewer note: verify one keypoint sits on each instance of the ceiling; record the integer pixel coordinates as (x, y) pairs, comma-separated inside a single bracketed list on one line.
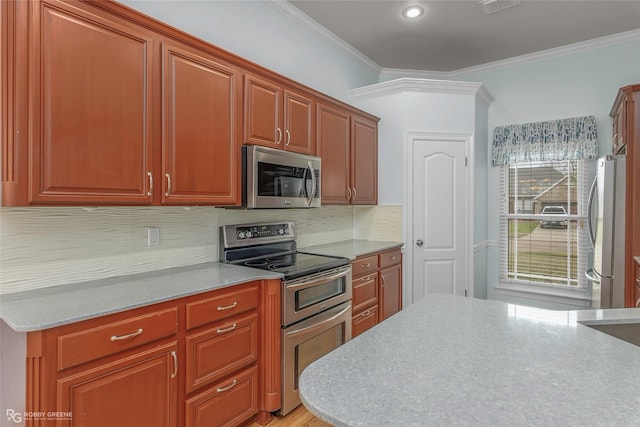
[(456, 34)]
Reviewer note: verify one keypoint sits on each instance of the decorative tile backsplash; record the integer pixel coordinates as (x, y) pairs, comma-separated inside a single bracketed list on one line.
[(48, 246)]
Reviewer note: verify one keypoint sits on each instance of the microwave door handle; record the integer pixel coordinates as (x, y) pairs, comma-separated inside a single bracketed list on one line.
[(592, 191), (313, 184)]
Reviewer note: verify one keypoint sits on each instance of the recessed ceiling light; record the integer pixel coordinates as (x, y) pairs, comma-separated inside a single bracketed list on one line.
[(413, 12)]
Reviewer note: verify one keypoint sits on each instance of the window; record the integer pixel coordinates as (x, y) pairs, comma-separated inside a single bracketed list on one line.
[(543, 236)]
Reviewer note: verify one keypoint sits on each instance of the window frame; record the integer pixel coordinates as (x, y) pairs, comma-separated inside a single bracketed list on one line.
[(579, 295)]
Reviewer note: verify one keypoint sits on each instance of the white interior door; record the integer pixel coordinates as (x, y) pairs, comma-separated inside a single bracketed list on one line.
[(440, 214)]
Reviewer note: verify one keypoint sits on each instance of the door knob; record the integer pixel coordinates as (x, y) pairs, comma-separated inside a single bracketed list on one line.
[(419, 242)]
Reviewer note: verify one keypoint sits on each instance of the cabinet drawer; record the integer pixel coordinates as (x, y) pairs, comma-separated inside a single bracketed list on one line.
[(220, 350), (220, 306), (365, 291), (390, 258), (91, 344), (363, 321), (364, 265), (227, 403)]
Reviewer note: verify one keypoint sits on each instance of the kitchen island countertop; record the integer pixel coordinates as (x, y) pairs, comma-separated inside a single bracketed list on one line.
[(59, 305), (449, 360), (351, 248)]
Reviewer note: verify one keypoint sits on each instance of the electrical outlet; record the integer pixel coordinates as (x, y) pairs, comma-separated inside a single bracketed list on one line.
[(153, 236)]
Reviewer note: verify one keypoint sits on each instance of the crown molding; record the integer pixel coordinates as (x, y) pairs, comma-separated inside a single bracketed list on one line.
[(296, 15), (557, 52), (407, 84)]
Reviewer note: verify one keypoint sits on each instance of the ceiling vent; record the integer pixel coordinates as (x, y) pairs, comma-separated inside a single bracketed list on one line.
[(493, 6)]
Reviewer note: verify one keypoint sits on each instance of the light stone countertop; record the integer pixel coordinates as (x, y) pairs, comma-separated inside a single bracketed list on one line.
[(351, 248), (59, 305), (455, 361)]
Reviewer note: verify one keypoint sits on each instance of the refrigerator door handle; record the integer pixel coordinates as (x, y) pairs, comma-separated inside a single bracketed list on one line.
[(591, 274), (592, 192)]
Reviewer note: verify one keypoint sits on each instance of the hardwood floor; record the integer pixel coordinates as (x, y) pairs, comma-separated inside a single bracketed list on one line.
[(299, 417)]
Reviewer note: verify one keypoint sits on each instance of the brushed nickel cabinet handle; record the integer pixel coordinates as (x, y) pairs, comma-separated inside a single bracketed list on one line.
[(175, 364), (367, 265), (150, 192), (638, 303), (288, 137), (230, 328), (354, 193), (228, 307), (125, 337), (279, 138), (349, 192), (366, 313), (168, 192), (382, 279), (230, 386)]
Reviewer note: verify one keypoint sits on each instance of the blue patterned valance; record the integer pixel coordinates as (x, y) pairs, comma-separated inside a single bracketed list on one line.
[(566, 139)]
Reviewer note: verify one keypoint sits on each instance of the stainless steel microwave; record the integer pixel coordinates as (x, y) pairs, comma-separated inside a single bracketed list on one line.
[(279, 179)]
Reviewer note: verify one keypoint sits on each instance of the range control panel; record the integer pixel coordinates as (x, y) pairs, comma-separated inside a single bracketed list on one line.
[(257, 231), (244, 235)]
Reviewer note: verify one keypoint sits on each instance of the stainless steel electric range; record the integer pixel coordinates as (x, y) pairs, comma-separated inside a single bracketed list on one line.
[(316, 294)]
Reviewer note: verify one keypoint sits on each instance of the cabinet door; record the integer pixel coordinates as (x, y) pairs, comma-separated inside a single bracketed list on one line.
[(364, 161), (390, 291), (299, 134), (201, 146), (262, 117), (333, 147), (91, 96), (134, 391)]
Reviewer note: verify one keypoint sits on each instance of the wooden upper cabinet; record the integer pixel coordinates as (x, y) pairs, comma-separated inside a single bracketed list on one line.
[(299, 123), (348, 145), (333, 147), (262, 112), (201, 128), (364, 161), (91, 90), (276, 117)]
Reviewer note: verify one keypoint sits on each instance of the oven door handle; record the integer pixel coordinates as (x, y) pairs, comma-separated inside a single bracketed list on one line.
[(319, 281), (319, 324)]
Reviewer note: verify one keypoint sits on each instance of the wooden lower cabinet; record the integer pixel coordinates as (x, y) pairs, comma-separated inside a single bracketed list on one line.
[(390, 291), (139, 390), (637, 282), (377, 289), (227, 403), (147, 368)]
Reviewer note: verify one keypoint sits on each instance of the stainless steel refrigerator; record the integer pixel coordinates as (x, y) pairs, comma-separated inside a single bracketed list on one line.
[(606, 214)]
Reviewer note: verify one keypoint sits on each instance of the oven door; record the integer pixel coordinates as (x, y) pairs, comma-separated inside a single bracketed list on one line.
[(311, 294), (308, 341)]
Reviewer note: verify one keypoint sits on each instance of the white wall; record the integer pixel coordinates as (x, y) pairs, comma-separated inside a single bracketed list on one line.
[(570, 85), (265, 34)]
